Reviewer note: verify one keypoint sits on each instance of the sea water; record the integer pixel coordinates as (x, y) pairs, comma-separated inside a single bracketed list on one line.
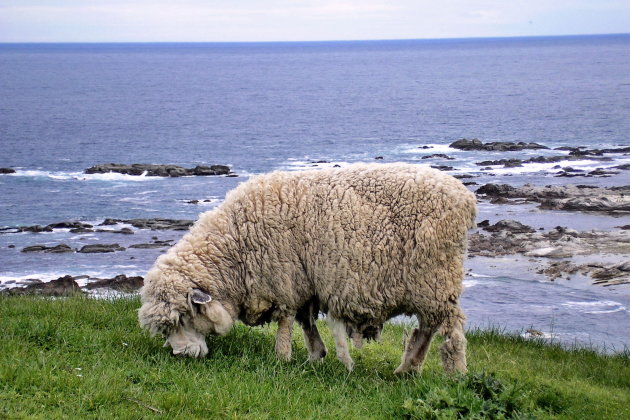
[(268, 106)]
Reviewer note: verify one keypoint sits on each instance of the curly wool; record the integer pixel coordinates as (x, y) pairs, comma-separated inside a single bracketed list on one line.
[(370, 241)]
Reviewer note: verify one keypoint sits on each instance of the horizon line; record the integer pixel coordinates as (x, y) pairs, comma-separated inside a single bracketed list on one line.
[(322, 41)]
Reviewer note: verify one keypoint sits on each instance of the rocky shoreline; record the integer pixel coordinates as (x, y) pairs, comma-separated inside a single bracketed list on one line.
[(553, 252), (569, 197)]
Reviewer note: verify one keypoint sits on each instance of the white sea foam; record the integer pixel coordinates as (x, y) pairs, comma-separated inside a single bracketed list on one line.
[(470, 283), (432, 148), (597, 307), (478, 275), (300, 165), (80, 176)]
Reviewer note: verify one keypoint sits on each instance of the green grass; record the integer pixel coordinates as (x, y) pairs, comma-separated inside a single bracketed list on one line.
[(84, 358)]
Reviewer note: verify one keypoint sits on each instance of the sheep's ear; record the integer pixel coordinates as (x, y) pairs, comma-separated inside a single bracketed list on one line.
[(197, 296)]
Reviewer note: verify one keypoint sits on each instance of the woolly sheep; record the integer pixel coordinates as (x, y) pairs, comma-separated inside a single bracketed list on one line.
[(361, 244)]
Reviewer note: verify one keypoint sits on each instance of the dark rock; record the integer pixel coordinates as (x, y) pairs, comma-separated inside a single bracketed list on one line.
[(34, 248), (624, 227), (624, 167), (379, 158), (236, 175), (568, 148), (100, 248), (598, 152), (57, 249), (469, 183), (438, 156), (156, 244), (496, 190), (63, 286), (69, 225), (476, 144), (570, 169), (210, 170), (11, 246), (121, 283), (193, 202), (463, 176), (601, 172), (509, 163), (483, 223), (7, 171), (158, 170), (34, 229), (124, 231), (442, 167), (110, 222), (161, 224), (512, 226), (81, 230)]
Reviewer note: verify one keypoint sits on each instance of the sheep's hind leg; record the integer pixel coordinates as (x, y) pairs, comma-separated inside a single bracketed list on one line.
[(314, 344), (453, 350), (340, 334), (417, 348), (283, 338), (307, 316)]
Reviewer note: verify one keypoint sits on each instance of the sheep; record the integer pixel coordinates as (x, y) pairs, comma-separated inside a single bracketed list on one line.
[(361, 244)]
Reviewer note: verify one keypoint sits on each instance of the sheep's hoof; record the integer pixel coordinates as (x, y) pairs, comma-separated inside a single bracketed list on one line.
[(357, 340), (404, 369), (317, 355), (348, 363), (284, 356)]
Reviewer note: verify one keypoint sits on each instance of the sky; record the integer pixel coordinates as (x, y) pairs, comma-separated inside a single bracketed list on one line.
[(303, 20)]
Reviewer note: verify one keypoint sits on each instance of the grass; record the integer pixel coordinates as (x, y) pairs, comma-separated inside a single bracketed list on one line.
[(85, 358)]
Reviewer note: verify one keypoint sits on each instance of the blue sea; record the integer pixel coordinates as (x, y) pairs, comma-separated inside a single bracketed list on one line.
[(259, 107)]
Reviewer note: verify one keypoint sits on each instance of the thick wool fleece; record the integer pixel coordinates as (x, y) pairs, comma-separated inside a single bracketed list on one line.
[(368, 242)]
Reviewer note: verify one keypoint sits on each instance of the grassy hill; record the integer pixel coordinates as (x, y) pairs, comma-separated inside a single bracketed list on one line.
[(85, 358)]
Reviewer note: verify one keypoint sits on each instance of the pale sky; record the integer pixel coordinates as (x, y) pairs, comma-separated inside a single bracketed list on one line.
[(302, 20)]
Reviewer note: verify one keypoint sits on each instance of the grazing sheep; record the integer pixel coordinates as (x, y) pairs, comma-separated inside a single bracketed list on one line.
[(362, 244)]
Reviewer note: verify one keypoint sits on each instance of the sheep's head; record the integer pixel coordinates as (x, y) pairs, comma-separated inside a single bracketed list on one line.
[(184, 317)]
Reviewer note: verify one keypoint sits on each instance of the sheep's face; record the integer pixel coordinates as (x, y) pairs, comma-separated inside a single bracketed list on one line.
[(185, 330)]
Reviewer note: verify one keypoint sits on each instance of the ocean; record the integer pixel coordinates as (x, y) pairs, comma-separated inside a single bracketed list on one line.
[(259, 107)]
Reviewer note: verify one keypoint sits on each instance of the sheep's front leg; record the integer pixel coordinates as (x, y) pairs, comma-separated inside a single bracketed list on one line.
[(340, 334), (283, 338), (314, 344), (416, 350)]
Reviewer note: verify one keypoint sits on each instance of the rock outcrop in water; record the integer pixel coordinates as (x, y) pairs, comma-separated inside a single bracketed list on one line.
[(78, 227), (7, 171), (496, 146), (612, 200), (158, 170)]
